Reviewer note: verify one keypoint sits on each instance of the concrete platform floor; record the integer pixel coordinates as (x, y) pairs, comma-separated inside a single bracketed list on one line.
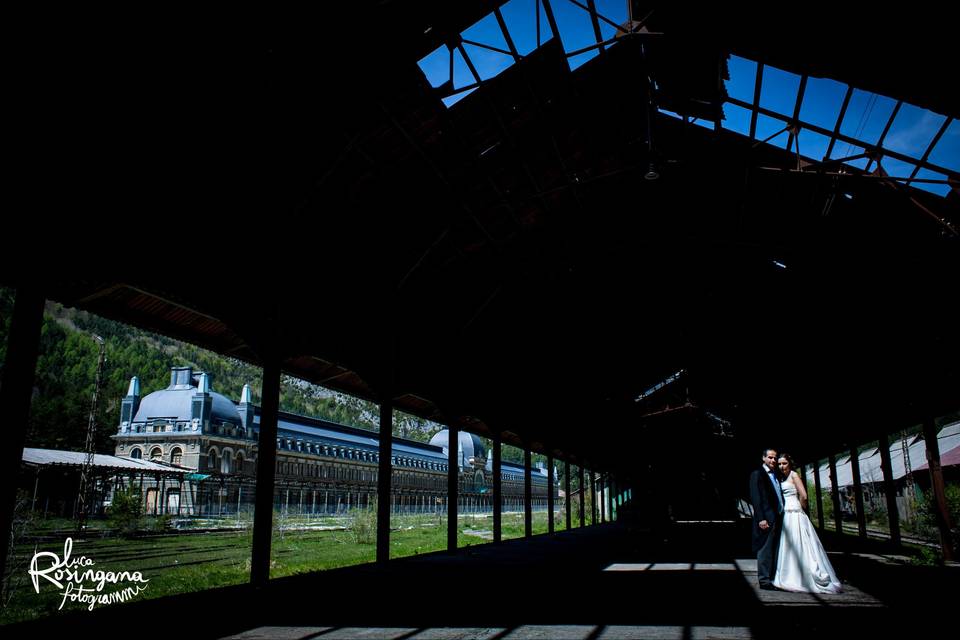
[(609, 581)]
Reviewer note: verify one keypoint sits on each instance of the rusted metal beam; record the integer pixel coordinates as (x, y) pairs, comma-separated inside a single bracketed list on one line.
[(939, 493), (796, 116), (858, 492), (835, 495), (836, 127), (819, 494), (929, 149), (844, 138), (592, 8), (889, 489), (883, 135), (755, 107)]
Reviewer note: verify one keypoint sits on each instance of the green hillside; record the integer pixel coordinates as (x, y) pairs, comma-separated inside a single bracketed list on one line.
[(66, 371)]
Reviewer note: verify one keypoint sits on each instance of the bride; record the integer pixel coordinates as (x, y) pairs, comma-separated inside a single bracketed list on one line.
[(802, 564)]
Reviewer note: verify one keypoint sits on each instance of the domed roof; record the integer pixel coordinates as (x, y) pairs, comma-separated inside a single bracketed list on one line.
[(471, 445), (177, 404), (176, 401)]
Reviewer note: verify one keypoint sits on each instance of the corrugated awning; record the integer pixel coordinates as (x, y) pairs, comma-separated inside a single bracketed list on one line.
[(53, 457)]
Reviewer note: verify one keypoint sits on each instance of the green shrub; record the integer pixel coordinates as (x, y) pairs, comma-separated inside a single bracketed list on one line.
[(926, 514), (161, 523), (126, 510), (363, 524)]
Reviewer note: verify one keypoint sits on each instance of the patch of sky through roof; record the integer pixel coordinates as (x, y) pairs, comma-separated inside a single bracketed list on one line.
[(461, 72), (940, 188), (947, 152), (743, 78), (576, 31), (812, 144), (486, 31), (436, 66), (895, 168), (912, 130), (487, 63), (822, 100), (867, 115), (767, 126), (613, 10), (521, 19), (843, 150), (779, 90), (737, 118), (449, 101)]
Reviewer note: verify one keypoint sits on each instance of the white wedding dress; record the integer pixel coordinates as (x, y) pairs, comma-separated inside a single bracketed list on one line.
[(802, 564)]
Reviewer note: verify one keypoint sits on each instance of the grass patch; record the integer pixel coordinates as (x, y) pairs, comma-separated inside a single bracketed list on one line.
[(188, 561)]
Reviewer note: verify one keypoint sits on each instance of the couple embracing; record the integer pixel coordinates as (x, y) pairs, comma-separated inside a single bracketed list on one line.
[(789, 554)]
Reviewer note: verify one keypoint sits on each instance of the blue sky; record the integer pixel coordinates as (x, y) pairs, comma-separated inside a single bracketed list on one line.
[(910, 133), (867, 114), (573, 24)]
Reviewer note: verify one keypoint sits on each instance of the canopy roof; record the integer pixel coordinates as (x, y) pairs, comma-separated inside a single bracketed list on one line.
[(915, 452), (506, 252), (54, 457)]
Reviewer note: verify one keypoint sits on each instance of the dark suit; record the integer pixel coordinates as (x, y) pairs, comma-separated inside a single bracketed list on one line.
[(766, 506)]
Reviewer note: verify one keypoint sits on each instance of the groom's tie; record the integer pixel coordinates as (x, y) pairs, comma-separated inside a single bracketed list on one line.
[(776, 488)]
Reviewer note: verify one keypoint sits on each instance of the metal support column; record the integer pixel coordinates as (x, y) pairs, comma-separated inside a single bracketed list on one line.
[(889, 489), (527, 494), (16, 388), (593, 499), (939, 494), (835, 495), (497, 490), (858, 492), (384, 471), (602, 498), (610, 488), (583, 498), (819, 492), (453, 474), (266, 467), (549, 494)]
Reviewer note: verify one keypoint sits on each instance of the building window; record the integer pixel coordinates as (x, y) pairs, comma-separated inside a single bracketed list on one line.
[(176, 455), (156, 454), (136, 453)]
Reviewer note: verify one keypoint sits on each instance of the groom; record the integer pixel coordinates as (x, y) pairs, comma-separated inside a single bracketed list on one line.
[(767, 498)]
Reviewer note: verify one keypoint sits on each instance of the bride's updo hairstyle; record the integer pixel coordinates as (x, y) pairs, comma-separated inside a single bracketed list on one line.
[(789, 459)]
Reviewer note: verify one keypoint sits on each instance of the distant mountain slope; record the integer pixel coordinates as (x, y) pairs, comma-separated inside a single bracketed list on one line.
[(66, 370)]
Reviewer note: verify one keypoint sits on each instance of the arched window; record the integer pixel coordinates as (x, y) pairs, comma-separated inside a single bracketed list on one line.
[(176, 455), (226, 461), (136, 453), (239, 467), (213, 463), (156, 454)]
